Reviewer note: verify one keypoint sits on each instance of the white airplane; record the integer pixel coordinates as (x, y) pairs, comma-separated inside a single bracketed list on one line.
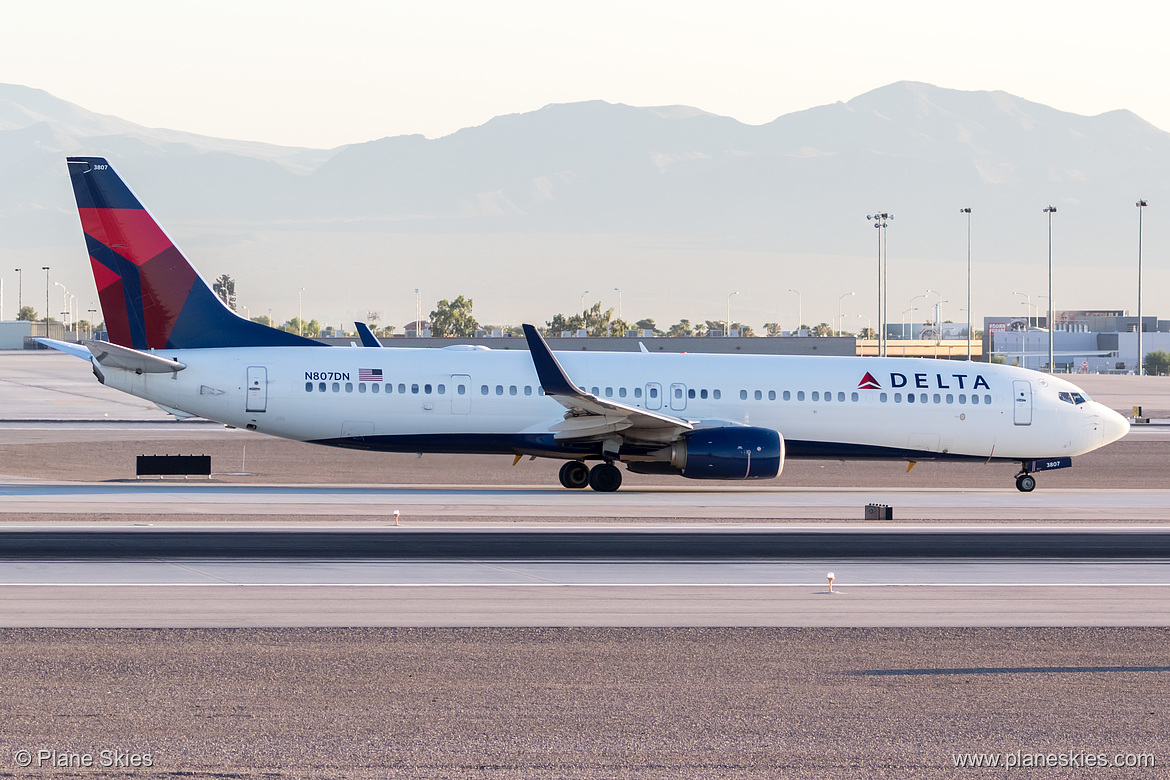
[(702, 416)]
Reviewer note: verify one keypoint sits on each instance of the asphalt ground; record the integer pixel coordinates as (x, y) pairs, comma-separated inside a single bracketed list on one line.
[(586, 702)]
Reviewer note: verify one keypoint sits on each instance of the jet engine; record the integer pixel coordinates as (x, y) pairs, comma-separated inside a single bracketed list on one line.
[(738, 452)]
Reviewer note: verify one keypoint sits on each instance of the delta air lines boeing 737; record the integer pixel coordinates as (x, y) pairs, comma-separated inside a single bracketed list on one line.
[(172, 341)]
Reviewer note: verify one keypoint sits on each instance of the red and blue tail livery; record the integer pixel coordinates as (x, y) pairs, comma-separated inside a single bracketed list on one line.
[(151, 296)]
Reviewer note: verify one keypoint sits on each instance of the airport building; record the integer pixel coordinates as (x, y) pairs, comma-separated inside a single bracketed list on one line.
[(1095, 342)]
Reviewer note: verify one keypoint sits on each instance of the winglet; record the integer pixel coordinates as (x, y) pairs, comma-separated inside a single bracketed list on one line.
[(368, 337), (552, 376)]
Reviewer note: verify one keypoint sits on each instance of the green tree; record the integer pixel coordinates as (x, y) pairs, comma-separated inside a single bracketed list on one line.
[(264, 319), (823, 329), (225, 288), (868, 333), (311, 329), (1158, 362), (744, 330), (27, 314), (453, 318), (681, 328), (597, 323), (772, 329), (618, 328), (386, 331), (560, 323)]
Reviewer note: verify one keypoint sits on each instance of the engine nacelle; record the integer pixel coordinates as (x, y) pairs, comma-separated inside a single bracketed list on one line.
[(733, 452)]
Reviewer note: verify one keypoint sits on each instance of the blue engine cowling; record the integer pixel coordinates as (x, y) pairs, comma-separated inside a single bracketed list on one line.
[(730, 453)]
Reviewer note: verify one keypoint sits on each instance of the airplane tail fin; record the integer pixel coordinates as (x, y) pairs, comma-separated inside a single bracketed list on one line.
[(151, 296)]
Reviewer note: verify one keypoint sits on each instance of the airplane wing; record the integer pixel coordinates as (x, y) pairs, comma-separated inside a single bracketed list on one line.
[(589, 416), (368, 338)]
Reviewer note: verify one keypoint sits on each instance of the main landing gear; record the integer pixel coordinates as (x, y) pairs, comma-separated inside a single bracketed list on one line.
[(604, 477), (1025, 482)]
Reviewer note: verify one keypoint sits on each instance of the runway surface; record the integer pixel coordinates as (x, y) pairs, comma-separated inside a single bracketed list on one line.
[(676, 501)]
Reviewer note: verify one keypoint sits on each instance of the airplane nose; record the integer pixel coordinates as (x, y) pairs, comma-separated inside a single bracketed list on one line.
[(1113, 425)]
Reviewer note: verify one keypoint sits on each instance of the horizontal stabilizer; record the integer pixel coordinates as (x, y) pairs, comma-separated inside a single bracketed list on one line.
[(68, 347), (113, 356)]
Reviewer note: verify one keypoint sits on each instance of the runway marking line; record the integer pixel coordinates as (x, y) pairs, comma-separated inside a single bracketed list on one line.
[(1021, 585)]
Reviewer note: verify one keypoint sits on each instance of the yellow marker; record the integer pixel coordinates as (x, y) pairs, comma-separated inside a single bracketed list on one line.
[(516, 459), (913, 463), (831, 582), (395, 517)]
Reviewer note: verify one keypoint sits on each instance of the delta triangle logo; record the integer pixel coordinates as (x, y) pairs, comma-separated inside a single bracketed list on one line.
[(868, 383)]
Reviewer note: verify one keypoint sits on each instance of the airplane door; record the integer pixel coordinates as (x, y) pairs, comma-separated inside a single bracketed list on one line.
[(678, 397), (1022, 395), (257, 389), (460, 394), (653, 395)]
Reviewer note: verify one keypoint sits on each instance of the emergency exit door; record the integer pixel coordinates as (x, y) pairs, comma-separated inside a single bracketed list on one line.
[(257, 389), (1022, 403)]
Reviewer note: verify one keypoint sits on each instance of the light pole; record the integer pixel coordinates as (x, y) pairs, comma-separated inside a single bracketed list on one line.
[(799, 309), (19, 288), (881, 220), (727, 324), (912, 310), (905, 314), (585, 312), (1141, 206), (937, 309), (623, 322), (967, 211), (1050, 210), (417, 314), (1024, 339), (45, 268), (64, 304), (300, 319), (841, 312), (92, 324)]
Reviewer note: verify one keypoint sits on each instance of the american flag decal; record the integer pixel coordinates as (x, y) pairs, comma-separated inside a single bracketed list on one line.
[(369, 375)]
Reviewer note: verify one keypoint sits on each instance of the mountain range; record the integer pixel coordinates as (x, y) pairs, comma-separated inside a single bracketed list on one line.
[(671, 204)]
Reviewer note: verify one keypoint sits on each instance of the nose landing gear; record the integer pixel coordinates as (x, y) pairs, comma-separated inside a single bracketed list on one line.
[(1025, 482)]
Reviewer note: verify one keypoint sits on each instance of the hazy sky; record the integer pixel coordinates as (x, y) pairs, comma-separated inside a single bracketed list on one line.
[(328, 73)]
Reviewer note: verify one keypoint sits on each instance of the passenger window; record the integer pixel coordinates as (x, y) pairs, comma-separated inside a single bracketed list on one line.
[(743, 395), (308, 387), (527, 389), (609, 392), (427, 389), (828, 395), (771, 395), (855, 397), (841, 397), (401, 387), (974, 398), (703, 393), (483, 389), (987, 399), (621, 392), (375, 388), (816, 396), (922, 397), (759, 396), (499, 389), (414, 389), (937, 398), (950, 398), (461, 389), (361, 387), (512, 390), (653, 392), (897, 398), (910, 398), (349, 387), (691, 393), (787, 395), (799, 395), (597, 391), (336, 387), (442, 389), (883, 397), (637, 392), (321, 387), (716, 394)]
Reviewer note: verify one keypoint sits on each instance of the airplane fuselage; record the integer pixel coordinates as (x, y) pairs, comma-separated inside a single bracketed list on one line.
[(470, 400)]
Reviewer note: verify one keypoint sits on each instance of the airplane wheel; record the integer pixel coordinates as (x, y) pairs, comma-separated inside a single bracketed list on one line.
[(1025, 483), (574, 475), (605, 478)]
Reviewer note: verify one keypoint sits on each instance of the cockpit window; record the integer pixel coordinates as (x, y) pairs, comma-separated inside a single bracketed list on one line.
[(1075, 399)]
